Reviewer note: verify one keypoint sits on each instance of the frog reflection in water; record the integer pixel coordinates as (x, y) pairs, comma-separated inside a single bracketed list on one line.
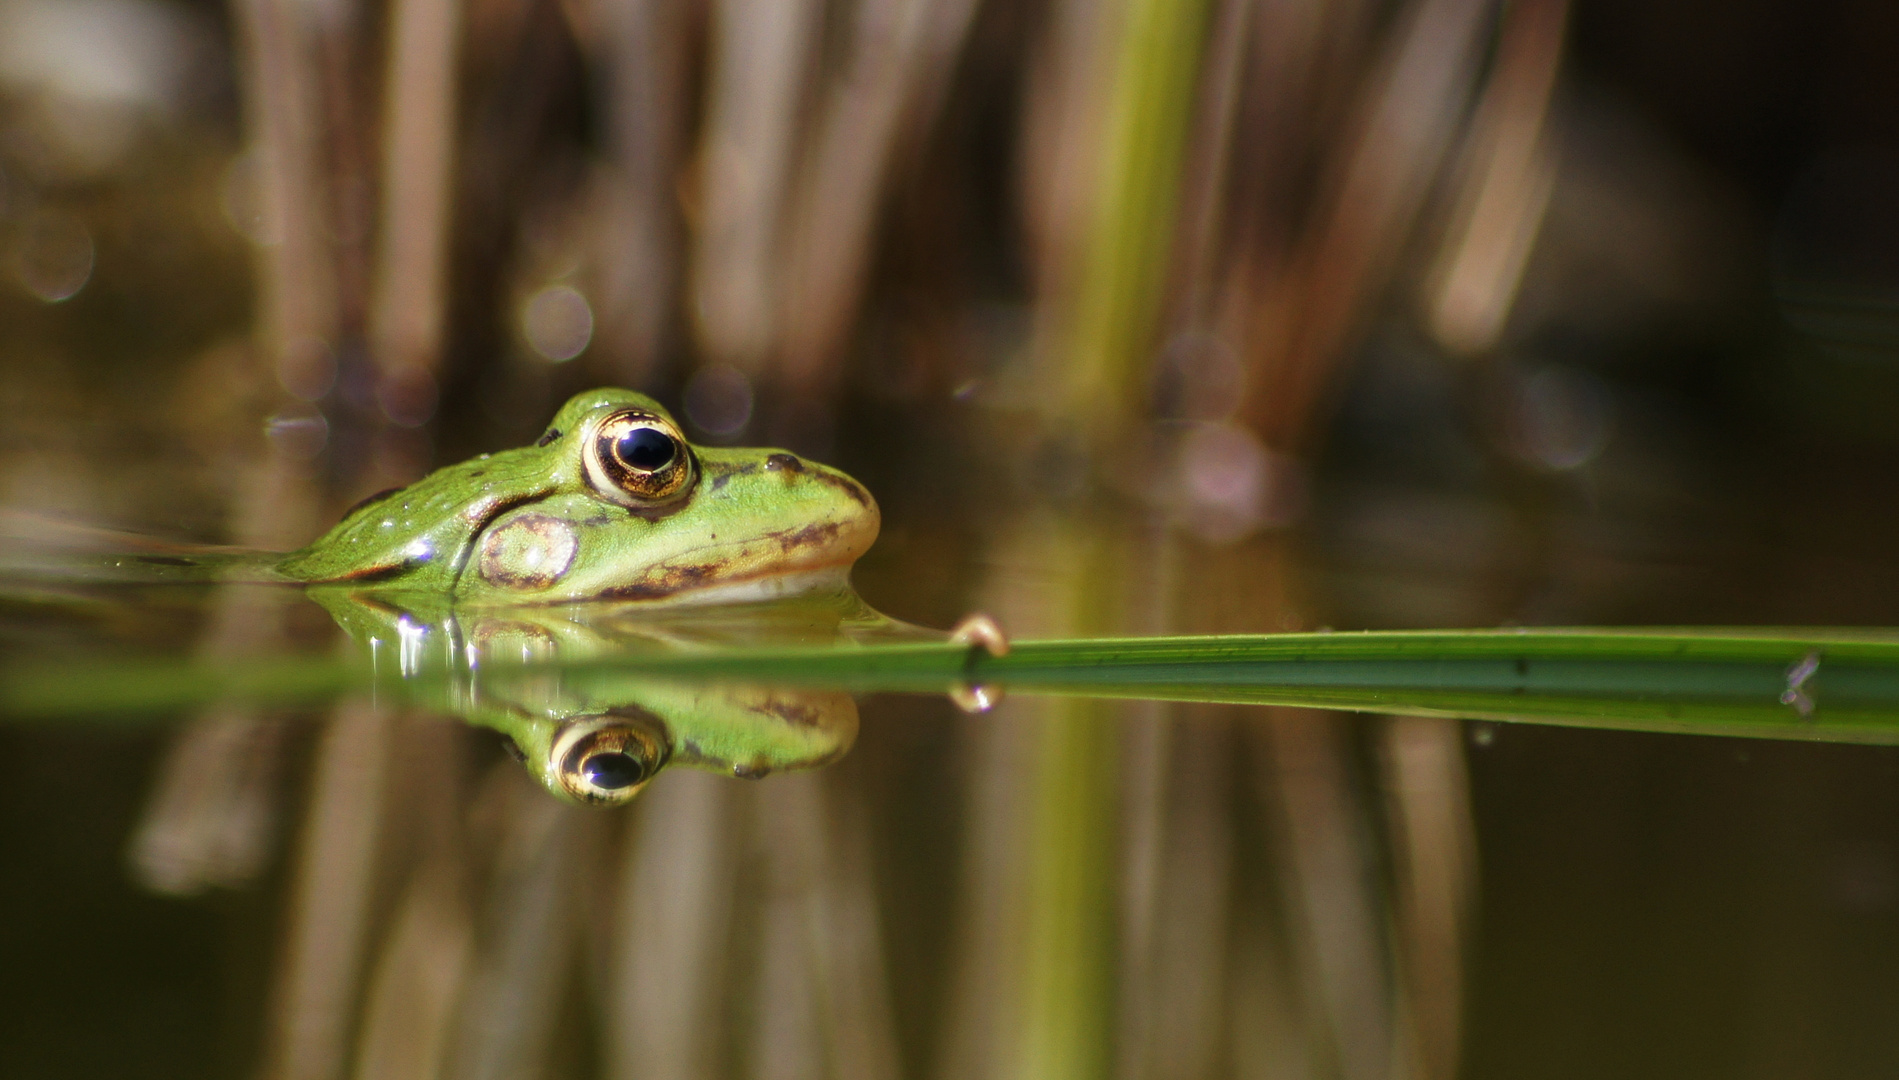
[(594, 737), (581, 545), (611, 503)]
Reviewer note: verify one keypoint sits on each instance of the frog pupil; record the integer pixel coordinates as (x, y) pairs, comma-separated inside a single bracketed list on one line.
[(646, 449), (611, 771)]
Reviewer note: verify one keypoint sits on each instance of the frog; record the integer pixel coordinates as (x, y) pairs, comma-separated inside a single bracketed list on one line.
[(611, 503)]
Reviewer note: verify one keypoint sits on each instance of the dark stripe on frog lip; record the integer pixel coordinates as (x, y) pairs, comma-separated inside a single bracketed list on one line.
[(370, 575), (674, 581), (687, 578), (791, 539)]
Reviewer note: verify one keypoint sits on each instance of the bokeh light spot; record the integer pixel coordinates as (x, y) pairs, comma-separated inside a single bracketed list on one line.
[(53, 256), (1230, 484), (558, 323), (718, 400), (1558, 418)]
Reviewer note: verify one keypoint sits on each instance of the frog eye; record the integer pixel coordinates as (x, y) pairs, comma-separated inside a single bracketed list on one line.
[(606, 760), (639, 454)]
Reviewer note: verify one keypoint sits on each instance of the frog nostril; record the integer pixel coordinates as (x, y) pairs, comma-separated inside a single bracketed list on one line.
[(785, 462)]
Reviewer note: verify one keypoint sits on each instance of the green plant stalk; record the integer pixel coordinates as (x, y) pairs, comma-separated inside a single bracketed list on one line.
[(1111, 324), (1715, 681), (1068, 969), (1117, 305)]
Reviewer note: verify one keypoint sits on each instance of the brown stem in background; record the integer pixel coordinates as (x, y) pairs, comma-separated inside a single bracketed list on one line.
[(316, 988), (1408, 122), (761, 61), (212, 810), (421, 963), (418, 155), (859, 1025), (1204, 186), (1268, 1035), (530, 927), (901, 55), (982, 1008), (410, 1006), (1434, 868), (666, 1015), (822, 999), (643, 49), (1061, 140), (1186, 997), (1510, 174), (297, 308), (1331, 899)]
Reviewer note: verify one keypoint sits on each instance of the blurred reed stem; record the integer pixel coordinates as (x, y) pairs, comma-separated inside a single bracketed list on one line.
[(1100, 346), (1067, 1032), (666, 1016), (529, 929), (645, 45), (901, 55), (1508, 176), (418, 157), (762, 58), (1334, 908), (1434, 875), (213, 806), (1116, 308), (314, 1002), (1376, 182)]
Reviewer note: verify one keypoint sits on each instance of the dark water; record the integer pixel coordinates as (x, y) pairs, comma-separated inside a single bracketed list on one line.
[(1615, 903)]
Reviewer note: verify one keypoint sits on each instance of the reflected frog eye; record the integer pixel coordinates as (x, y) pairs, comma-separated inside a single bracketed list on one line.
[(606, 760), (638, 455)]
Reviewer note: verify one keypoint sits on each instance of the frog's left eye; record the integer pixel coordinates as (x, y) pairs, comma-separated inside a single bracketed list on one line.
[(638, 454), (606, 760)]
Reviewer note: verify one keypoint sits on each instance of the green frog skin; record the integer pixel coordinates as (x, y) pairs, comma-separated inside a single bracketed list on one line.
[(611, 503)]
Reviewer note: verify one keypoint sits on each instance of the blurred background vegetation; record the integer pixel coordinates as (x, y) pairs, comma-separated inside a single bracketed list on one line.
[(1136, 315)]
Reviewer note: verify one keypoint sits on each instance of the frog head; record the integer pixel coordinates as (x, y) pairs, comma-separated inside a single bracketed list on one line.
[(611, 503)]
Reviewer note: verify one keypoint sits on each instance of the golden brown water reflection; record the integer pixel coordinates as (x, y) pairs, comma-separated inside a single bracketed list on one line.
[(1209, 315)]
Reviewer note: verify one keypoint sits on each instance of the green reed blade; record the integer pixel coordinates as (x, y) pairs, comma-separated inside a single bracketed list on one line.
[(1718, 681)]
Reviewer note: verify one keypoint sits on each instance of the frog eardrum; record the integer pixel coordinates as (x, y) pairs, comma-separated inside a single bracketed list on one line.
[(637, 454), (606, 760)]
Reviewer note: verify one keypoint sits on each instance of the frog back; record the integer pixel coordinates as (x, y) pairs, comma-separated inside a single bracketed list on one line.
[(423, 534)]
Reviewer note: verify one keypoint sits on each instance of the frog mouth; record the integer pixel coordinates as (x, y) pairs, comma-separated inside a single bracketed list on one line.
[(787, 562)]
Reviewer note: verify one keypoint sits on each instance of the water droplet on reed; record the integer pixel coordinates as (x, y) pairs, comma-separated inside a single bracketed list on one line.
[(975, 697)]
